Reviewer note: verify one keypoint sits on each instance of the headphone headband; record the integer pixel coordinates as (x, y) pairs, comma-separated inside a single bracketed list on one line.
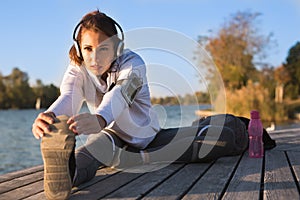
[(119, 48)]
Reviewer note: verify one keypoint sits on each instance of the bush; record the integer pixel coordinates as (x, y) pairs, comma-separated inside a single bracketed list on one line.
[(254, 97)]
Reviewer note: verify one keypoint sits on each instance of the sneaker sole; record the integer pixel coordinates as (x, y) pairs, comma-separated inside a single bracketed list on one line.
[(56, 148)]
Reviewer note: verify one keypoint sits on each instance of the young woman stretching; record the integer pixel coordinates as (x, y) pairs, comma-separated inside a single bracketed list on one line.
[(112, 81)]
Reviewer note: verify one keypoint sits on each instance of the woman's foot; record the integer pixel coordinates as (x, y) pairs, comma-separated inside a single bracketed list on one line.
[(57, 149)]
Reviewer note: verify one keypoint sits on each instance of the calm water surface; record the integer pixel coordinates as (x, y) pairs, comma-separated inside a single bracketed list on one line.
[(19, 149)]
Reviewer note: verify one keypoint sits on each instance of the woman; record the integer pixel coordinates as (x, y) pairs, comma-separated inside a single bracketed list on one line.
[(112, 81)]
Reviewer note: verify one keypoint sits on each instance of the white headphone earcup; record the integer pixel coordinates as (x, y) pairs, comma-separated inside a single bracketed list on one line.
[(120, 49), (76, 45)]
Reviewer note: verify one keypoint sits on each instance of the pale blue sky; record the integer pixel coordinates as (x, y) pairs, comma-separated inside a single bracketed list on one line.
[(37, 34)]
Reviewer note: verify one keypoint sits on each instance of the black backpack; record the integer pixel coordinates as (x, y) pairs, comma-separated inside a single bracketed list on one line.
[(236, 140), (226, 135)]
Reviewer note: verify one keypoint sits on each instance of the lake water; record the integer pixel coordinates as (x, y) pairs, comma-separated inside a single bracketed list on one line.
[(19, 149)]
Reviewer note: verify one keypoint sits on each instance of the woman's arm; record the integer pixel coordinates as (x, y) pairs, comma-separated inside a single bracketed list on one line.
[(68, 103), (86, 123), (71, 98)]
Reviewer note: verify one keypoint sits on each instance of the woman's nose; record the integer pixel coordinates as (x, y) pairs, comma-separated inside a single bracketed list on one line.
[(95, 57)]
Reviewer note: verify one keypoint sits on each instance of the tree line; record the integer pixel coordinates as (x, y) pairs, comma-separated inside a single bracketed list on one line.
[(16, 92), (239, 50), (188, 99)]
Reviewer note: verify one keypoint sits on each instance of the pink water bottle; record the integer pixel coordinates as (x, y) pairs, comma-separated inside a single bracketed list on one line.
[(255, 130)]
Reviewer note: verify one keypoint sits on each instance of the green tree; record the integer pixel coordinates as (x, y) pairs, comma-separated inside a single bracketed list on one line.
[(18, 91), (50, 94), (282, 78), (38, 88), (267, 79), (46, 93), (292, 66), (3, 99)]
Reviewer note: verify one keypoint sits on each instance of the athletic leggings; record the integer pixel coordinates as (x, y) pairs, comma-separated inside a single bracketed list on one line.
[(107, 149)]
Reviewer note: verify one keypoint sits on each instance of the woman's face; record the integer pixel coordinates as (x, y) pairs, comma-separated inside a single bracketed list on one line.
[(97, 51)]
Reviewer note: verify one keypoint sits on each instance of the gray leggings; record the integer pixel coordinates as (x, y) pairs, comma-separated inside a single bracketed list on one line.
[(106, 149), (185, 144), (99, 150)]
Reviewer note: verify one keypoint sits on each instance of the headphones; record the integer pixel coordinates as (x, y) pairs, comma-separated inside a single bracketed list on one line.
[(120, 45)]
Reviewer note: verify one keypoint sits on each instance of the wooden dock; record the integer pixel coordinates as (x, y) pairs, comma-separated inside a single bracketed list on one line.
[(276, 176)]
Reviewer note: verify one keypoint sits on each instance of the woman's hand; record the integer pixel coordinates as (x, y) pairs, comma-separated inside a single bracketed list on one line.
[(86, 123), (41, 124)]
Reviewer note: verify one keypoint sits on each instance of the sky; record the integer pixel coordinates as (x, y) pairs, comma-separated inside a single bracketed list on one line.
[(36, 35)]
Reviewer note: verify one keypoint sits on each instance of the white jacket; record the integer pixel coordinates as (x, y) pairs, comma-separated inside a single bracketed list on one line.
[(136, 124)]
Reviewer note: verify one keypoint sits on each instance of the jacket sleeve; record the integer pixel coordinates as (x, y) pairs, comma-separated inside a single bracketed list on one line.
[(71, 93)]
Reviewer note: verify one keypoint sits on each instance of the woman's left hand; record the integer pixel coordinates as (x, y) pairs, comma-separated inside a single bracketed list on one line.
[(85, 123)]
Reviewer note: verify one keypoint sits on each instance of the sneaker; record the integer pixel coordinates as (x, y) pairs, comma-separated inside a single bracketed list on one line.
[(57, 149)]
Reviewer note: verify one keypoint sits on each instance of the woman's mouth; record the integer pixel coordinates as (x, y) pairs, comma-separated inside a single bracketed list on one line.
[(95, 67)]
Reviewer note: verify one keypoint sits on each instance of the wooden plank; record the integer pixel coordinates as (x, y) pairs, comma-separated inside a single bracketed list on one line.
[(246, 181), (278, 181), (20, 181), (23, 192), (295, 162), (38, 196), (105, 187), (178, 184), (100, 175), (143, 184), (24, 172), (212, 183), (288, 139)]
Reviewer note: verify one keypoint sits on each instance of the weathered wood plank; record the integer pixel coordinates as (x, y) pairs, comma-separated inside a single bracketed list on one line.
[(20, 181), (278, 182), (288, 139), (38, 196), (106, 186), (16, 174), (246, 181), (23, 192), (295, 162), (212, 183), (100, 175), (179, 183), (139, 187)]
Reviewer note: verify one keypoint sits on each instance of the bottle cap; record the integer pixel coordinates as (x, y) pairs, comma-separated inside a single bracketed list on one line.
[(254, 114)]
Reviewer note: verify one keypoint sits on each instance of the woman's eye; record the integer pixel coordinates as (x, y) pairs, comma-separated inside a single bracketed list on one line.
[(103, 49), (87, 48)]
